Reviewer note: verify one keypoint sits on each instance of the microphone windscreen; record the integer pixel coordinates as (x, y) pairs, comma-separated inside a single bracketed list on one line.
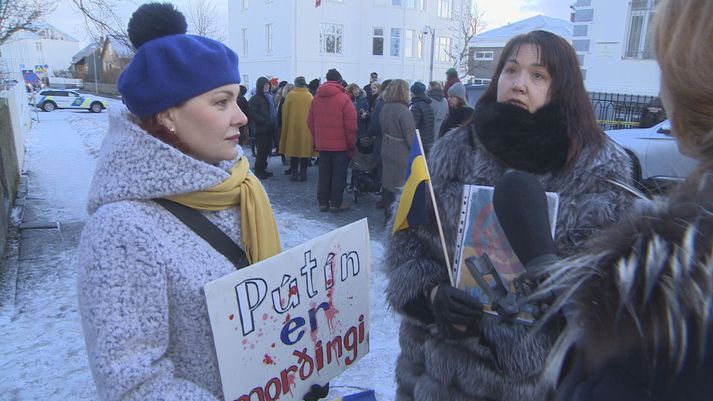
[(521, 207)]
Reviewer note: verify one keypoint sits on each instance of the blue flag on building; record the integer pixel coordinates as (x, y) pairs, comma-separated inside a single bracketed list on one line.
[(412, 207)]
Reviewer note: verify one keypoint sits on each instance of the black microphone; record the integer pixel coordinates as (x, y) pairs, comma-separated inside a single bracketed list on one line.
[(521, 207)]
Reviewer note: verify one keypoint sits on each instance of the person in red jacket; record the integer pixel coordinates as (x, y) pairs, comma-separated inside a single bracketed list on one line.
[(332, 121)]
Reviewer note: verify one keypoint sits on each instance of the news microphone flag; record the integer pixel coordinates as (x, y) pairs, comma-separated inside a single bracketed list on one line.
[(367, 395), (412, 207)]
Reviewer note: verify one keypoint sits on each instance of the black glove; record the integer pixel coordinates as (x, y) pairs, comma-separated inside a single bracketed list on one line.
[(316, 392), (453, 307)]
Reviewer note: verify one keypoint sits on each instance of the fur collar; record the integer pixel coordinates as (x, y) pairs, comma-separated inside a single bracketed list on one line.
[(537, 143)]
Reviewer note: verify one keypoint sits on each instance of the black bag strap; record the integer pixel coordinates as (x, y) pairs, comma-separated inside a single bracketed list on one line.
[(200, 224)]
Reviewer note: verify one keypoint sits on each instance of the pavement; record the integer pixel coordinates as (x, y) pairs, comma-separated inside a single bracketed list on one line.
[(42, 351)]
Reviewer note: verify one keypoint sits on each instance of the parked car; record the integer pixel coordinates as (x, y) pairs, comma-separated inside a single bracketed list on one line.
[(51, 99), (657, 161)]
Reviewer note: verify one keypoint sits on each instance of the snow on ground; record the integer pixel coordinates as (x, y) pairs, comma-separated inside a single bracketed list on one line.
[(42, 352)]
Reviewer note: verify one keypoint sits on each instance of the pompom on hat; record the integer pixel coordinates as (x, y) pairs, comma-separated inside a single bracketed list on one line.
[(171, 67)]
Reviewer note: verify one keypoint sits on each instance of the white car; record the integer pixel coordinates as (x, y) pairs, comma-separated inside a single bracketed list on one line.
[(51, 99), (657, 161)]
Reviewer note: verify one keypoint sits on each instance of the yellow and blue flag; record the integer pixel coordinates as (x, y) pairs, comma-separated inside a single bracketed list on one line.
[(367, 395), (412, 207)]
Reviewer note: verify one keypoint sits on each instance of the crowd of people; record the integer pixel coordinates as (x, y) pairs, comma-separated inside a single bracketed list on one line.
[(631, 281)]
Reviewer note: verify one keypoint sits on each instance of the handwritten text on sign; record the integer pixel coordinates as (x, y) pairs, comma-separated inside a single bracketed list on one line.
[(298, 318)]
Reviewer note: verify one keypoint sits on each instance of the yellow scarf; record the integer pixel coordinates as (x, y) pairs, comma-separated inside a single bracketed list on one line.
[(258, 228)]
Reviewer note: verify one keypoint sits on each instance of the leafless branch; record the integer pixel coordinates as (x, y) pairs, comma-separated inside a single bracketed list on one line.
[(102, 19), (202, 19), (469, 25), (17, 15)]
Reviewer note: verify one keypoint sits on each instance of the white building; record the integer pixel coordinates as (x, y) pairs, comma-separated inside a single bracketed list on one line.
[(487, 47), (48, 46), (288, 38), (615, 47)]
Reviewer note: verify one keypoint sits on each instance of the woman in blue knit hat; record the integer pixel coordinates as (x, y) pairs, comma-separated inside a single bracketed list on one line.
[(141, 270)]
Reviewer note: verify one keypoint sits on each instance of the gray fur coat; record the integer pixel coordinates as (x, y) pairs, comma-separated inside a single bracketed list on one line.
[(503, 363), (141, 271)]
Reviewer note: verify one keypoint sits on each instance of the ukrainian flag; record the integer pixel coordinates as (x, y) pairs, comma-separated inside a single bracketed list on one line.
[(412, 207), (367, 395)]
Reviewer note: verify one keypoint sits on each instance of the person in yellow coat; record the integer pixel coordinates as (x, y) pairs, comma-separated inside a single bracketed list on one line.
[(296, 139)]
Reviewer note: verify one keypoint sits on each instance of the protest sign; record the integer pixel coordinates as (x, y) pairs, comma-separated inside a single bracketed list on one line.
[(298, 318)]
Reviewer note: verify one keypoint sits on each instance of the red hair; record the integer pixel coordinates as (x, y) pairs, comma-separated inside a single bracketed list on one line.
[(151, 125)]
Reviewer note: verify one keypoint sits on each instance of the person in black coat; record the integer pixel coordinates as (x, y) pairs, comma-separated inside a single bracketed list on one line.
[(422, 114), (244, 130), (458, 111), (263, 123)]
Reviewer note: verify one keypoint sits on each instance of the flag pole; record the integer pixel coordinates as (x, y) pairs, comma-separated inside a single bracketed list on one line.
[(438, 215)]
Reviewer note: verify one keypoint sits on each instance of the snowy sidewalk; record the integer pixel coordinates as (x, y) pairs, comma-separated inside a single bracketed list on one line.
[(42, 353)]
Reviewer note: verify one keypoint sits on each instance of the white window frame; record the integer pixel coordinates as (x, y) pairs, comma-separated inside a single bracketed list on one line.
[(245, 81), (374, 36), (244, 34), (484, 55), (330, 30), (395, 43), (638, 43), (445, 8), (408, 43), (268, 38), (443, 47)]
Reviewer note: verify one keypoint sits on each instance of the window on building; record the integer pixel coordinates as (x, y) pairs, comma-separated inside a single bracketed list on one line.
[(245, 4), (395, 42), (268, 38), (245, 81), (244, 34), (443, 48), (484, 55), (377, 42), (639, 40), (38, 46), (408, 43), (444, 8), (411, 3), (379, 2), (396, 3), (330, 40), (422, 5)]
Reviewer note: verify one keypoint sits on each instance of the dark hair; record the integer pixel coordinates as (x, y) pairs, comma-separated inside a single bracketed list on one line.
[(243, 90), (566, 88), (151, 125)]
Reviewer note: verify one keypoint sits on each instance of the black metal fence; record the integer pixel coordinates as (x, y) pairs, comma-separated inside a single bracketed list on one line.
[(616, 110)]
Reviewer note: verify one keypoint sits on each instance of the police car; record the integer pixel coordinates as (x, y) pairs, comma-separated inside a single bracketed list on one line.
[(51, 99)]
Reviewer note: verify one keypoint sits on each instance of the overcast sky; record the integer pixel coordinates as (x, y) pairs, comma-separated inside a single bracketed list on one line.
[(496, 13)]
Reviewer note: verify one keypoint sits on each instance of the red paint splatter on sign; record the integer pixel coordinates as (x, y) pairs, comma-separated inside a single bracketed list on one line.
[(267, 360), (231, 317)]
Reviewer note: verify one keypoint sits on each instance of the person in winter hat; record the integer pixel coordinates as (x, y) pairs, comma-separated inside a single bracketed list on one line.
[(332, 121), (451, 79), (458, 110), (422, 114), (535, 116), (439, 104), (140, 270)]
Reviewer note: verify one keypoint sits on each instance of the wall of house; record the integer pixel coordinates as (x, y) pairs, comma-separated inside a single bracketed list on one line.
[(296, 27), (14, 124), (600, 30)]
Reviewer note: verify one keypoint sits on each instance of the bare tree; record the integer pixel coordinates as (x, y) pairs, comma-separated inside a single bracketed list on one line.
[(469, 24), (102, 20), (17, 15), (202, 19)]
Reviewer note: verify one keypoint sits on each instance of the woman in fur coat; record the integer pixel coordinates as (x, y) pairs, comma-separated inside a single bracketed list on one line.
[(535, 116), (639, 316), (141, 271)]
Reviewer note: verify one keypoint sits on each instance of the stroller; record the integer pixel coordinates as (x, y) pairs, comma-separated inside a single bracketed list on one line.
[(364, 169)]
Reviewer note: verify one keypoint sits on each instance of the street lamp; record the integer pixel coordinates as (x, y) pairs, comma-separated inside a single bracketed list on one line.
[(428, 30)]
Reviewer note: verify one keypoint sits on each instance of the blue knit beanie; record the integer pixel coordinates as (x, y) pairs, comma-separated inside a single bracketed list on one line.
[(169, 66)]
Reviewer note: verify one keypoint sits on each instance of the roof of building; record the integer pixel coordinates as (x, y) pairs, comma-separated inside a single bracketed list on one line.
[(498, 37), (44, 31), (88, 50), (120, 47)]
